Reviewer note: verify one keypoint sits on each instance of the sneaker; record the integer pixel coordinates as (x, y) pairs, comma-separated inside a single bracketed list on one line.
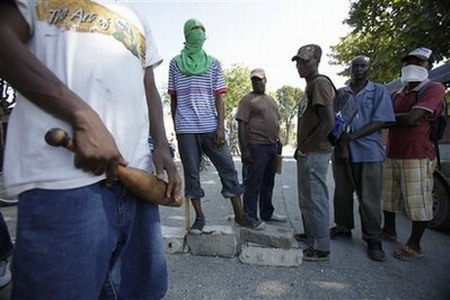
[(338, 232), (252, 224), (311, 254), (197, 227), (375, 250), (5, 273), (277, 218)]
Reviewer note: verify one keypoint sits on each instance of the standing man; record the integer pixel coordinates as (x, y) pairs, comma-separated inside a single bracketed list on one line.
[(196, 87), (259, 131), (316, 120), (80, 233), (408, 173), (362, 169)]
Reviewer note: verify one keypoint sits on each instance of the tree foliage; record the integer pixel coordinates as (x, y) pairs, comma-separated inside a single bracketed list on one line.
[(239, 84), (288, 98), (385, 30)]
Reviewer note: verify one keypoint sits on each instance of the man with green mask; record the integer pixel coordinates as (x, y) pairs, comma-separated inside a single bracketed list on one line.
[(196, 85)]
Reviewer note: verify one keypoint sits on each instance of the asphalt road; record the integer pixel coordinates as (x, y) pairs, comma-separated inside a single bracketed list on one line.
[(348, 275)]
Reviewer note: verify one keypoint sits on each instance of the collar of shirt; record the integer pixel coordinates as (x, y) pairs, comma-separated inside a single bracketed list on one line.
[(369, 87), (416, 89)]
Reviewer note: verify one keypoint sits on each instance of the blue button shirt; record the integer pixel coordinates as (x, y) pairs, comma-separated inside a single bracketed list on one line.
[(374, 105)]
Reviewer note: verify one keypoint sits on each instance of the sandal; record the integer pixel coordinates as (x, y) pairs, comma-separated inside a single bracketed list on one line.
[(406, 253)]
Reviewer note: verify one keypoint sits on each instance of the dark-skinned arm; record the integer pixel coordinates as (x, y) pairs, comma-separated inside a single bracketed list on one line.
[(161, 154), (246, 157), (326, 124), (173, 107), (411, 118), (219, 137), (364, 131), (96, 150)]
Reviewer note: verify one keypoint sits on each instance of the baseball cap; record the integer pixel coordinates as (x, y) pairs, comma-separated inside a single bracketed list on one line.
[(307, 52), (258, 72), (421, 53)]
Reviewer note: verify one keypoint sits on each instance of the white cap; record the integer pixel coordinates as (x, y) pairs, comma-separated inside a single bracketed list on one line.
[(421, 53)]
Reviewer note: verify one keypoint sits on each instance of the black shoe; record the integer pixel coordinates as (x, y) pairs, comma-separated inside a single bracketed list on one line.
[(301, 237), (311, 254), (197, 227), (337, 232), (252, 224), (375, 250)]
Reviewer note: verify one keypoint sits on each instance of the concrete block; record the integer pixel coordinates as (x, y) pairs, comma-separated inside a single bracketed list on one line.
[(214, 241), (255, 254), (174, 239), (271, 236)]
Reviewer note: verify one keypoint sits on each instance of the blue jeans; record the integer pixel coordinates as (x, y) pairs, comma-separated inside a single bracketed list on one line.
[(88, 243), (313, 198), (191, 148), (259, 179), (6, 245)]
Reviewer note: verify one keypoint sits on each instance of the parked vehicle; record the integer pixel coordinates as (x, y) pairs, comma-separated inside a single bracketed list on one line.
[(441, 188)]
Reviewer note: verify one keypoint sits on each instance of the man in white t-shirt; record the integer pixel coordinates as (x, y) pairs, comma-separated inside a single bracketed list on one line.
[(85, 66)]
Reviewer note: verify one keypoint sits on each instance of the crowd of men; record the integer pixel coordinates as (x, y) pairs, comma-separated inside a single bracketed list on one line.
[(97, 83)]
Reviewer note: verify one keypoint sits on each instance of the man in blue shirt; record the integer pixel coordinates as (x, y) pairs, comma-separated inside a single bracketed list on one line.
[(358, 159)]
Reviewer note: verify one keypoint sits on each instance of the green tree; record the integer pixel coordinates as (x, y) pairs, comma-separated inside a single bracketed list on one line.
[(239, 84), (385, 30), (288, 98)]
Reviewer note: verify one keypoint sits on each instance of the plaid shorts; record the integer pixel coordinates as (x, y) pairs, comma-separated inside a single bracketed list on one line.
[(409, 183)]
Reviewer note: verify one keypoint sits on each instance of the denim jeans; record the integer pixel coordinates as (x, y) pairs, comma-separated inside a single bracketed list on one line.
[(93, 242), (313, 198), (366, 179), (191, 148), (6, 245), (259, 179)]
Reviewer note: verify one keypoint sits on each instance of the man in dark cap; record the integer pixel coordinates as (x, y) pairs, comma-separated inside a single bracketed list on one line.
[(408, 172), (316, 120)]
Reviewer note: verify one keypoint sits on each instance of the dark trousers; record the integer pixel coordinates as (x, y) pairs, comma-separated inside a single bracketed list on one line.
[(259, 179), (6, 245), (366, 179)]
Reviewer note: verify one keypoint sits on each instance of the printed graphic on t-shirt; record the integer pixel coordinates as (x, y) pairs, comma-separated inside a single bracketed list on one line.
[(302, 105), (91, 17)]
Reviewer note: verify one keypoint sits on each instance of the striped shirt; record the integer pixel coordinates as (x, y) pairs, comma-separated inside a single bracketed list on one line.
[(196, 108)]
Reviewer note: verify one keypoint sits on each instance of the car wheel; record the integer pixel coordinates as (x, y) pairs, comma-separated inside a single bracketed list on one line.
[(441, 203)]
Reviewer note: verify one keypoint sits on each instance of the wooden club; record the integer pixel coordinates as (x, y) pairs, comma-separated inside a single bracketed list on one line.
[(144, 185)]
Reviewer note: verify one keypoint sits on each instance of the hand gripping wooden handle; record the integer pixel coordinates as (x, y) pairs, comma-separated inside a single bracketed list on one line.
[(144, 185)]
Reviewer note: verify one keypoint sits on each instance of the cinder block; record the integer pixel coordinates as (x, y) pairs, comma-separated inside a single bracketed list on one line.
[(271, 236), (214, 241), (255, 254), (174, 239)]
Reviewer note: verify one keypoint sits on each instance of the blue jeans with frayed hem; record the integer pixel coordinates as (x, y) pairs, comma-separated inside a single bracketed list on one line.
[(191, 148)]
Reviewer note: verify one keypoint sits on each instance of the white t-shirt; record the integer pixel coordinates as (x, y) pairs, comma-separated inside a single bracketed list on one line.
[(100, 50)]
